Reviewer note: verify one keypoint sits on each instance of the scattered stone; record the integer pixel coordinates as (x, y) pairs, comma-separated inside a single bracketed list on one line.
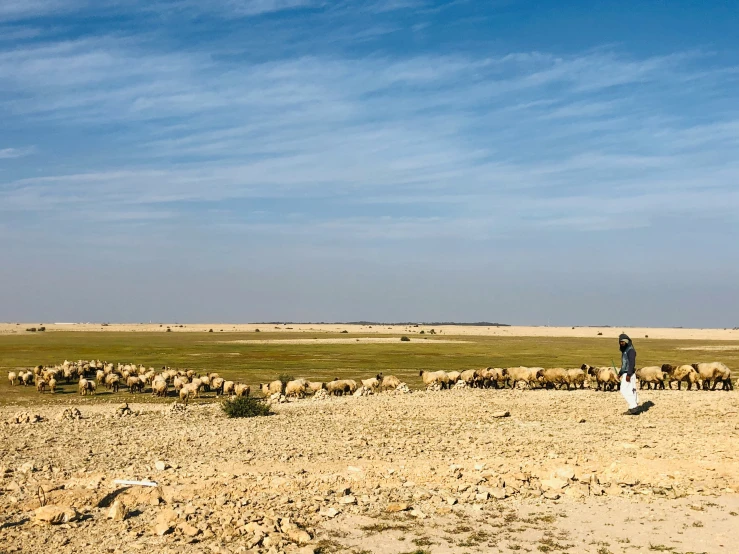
[(69, 414), (397, 507), (118, 511), (55, 515), (23, 418), (160, 465), (500, 414)]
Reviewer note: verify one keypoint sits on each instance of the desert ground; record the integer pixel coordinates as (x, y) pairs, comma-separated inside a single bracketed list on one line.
[(460, 470)]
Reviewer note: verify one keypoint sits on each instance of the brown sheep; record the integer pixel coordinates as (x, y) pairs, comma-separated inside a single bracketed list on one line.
[(390, 382), (682, 373), (605, 377), (527, 375), (651, 376), (716, 372)]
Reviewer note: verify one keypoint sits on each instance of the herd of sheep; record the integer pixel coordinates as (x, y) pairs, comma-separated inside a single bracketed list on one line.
[(187, 384)]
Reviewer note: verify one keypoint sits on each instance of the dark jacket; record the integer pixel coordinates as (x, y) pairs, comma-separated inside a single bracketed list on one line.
[(628, 360)]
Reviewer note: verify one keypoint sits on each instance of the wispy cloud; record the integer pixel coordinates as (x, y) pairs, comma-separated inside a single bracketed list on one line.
[(11, 153)]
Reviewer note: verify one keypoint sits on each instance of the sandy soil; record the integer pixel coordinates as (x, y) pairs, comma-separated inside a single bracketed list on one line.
[(451, 330), (391, 473)]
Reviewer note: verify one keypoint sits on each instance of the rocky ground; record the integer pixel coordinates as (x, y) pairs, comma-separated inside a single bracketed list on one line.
[(443, 471)]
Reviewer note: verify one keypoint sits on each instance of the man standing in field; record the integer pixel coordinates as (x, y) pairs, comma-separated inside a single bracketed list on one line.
[(629, 384)]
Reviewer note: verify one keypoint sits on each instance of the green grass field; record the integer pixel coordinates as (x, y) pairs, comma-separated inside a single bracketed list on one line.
[(255, 363)]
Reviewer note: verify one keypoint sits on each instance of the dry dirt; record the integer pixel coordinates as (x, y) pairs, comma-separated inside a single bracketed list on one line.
[(444, 330), (427, 471)]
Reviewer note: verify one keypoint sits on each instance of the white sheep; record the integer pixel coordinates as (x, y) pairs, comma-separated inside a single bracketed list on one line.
[(605, 377), (651, 376), (296, 388), (52, 385), (432, 377), (159, 387), (229, 388), (527, 375), (242, 390), (275, 387), (682, 373), (390, 382), (716, 372), (13, 378)]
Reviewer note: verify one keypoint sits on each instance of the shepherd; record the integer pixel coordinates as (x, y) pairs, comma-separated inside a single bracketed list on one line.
[(629, 383)]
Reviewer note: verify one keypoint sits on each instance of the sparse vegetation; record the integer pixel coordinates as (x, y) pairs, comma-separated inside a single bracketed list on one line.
[(404, 339), (242, 406)]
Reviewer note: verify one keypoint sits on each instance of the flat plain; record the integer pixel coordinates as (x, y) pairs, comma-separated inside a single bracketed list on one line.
[(430, 471)]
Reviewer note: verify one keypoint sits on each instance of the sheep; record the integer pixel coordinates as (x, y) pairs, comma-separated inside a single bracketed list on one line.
[(159, 387), (26, 378), (651, 376), (112, 381), (13, 378), (527, 375), (229, 388), (575, 377), (716, 372), (555, 377), (100, 376), (339, 387), (372, 383), (196, 384), (242, 390), (178, 382), (605, 377), (85, 387), (134, 384), (315, 386), (454, 376), (275, 387), (432, 377), (469, 376), (296, 388), (390, 382), (41, 385), (216, 384), (682, 373), (185, 393), (52, 385), (491, 377)]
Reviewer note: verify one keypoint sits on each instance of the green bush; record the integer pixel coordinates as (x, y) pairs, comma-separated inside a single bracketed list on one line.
[(285, 379), (243, 406), (404, 339)]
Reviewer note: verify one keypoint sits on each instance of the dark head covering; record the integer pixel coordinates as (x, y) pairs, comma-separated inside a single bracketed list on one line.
[(624, 336)]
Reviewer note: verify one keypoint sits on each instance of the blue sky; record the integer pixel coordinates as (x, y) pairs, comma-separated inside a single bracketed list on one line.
[(244, 160)]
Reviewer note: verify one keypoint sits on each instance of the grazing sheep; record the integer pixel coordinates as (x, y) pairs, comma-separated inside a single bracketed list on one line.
[(651, 376), (454, 376), (432, 377), (100, 376), (469, 376), (41, 385), (373, 383), (555, 377), (26, 378), (242, 390), (134, 384), (315, 386), (268, 389), (390, 382), (112, 381), (605, 377), (575, 377), (185, 393), (85, 387), (491, 377), (159, 387), (686, 373), (13, 378), (178, 383), (340, 387), (216, 384), (716, 372), (527, 375), (52, 385), (229, 388), (296, 388)]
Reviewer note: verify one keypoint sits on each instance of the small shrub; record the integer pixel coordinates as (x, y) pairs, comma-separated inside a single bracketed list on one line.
[(42, 329), (256, 330), (244, 406), (284, 378), (600, 334), (422, 332), (344, 332), (432, 332), (404, 339), (210, 330), (31, 329), (169, 330)]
